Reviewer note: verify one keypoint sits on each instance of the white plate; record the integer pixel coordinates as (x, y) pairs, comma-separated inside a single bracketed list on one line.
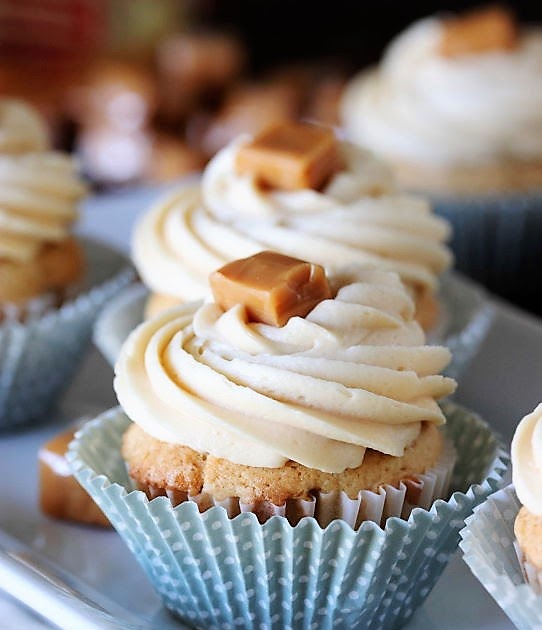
[(502, 383)]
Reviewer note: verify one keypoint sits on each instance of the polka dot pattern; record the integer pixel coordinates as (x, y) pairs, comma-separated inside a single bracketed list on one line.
[(213, 571), (488, 546)]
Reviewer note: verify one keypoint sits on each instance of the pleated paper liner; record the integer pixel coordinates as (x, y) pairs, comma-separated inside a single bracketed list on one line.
[(464, 321), (490, 550), (496, 240), (214, 571), (326, 507), (39, 356)]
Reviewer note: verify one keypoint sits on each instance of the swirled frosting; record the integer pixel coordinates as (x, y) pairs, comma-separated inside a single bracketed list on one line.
[(21, 128), (357, 218), (353, 374), (38, 197), (527, 461), (421, 107)]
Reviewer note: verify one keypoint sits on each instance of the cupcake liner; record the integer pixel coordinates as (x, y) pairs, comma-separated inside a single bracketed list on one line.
[(464, 321), (40, 356), (118, 319), (30, 310), (389, 501), (532, 575), (496, 241), (213, 571), (488, 544)]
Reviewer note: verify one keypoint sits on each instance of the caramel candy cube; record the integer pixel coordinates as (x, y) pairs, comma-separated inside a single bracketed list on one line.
[(291, 156), (271, 287), (61, 496), (483, 30)]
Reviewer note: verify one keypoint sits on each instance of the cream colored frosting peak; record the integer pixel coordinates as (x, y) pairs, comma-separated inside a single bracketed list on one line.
[(38, 197), (22, 129), (421, 107), (358, 218), (527, 461), (354, 374)]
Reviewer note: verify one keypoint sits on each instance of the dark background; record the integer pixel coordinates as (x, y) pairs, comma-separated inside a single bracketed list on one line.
[(355, 32)]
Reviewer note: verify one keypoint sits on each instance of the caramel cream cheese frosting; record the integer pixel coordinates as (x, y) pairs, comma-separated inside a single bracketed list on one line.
[(527, 461), (38, 198), (422, 107), (355, 373), (22, 130), (358, 217)]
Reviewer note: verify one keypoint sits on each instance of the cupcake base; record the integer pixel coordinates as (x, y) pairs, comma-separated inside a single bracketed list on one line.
[(213, 571), (391, 486)]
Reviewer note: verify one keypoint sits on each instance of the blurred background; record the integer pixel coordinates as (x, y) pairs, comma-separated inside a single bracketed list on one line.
[(146, 91)]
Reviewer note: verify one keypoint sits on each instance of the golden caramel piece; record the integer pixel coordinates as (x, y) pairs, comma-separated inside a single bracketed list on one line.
[(61, 496), (271, 287), (482, 30), (291, 156)]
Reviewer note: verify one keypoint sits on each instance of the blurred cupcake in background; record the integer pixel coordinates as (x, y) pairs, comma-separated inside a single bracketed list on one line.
[(51, 284), (39, 259), (352, 214), (291, 450), (502, 541), (456, 107)]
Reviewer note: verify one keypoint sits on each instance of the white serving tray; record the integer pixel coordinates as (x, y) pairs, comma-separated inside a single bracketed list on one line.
[(503, 383)]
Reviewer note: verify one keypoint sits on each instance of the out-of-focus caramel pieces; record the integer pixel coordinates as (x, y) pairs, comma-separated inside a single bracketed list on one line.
[(291, 156), (61, 496), (272, 287), (483, 30)]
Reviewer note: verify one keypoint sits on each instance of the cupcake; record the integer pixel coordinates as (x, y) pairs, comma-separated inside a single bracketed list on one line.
[(291, 450), (350, 213), (527, 476), (455, 107), (40, 261), (502, 540), (48, 279), (21, 129)]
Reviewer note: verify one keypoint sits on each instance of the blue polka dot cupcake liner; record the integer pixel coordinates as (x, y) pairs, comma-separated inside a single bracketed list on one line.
[(213, 571), (490, 551), (40, 355), (496, 241), (465, 318)]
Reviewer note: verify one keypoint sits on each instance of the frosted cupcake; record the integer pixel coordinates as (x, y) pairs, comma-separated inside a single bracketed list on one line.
[(527, 478), (320, 407), (42, 268), (456, 107), (502, 540), (351, 213), (294, 454)]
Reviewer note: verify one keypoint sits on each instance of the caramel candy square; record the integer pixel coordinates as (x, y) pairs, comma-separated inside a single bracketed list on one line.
[(61, 496), (291, 156), (271, 287), (483, 30)]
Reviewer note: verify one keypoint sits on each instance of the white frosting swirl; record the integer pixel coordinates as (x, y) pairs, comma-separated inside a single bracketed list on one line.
[(354, 373), (527, 461), (22, 129), (38, 197), (357, 218), (422, 107)]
